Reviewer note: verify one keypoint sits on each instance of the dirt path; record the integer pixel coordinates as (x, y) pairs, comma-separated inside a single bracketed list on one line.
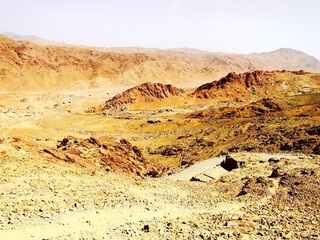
[(200, 167), (210, 167)]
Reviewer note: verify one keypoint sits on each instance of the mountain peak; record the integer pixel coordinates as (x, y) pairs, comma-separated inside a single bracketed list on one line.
[(288, 51)]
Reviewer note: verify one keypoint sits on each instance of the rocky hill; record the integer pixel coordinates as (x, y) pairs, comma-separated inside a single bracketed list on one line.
[(144, 93), (246, 87), (28, 66), (258, 84)]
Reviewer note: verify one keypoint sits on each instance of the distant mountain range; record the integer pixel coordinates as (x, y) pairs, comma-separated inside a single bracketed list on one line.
[(33, 39), (33, 63)]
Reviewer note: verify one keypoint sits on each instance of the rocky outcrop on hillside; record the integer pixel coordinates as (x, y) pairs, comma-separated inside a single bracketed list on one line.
[(258, 84), (146, 92), (103, 153)]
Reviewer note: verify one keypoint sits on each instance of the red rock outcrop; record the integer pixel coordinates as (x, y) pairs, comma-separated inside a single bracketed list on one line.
[(104, 153), (146, 92), (255, 85)]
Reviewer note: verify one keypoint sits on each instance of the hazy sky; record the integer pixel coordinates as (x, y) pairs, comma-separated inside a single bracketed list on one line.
[(240, 26)]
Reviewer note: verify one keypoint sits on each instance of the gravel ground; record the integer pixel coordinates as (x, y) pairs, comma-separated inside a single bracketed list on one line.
[(41, 199)]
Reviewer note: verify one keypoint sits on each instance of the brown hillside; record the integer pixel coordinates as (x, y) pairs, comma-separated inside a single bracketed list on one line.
[(146, 92), (27, 66), (259, 108), (257, 85), (288, 124)]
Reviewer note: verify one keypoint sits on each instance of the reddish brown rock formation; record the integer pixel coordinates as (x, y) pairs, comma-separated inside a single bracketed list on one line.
[(255, 85), (147, 92), (103, 153)]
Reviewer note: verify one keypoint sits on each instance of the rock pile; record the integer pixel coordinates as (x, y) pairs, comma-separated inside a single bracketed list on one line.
[(104, 153)]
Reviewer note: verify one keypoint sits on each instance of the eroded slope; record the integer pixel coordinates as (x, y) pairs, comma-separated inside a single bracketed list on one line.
[(141, 94), (258, 84), (27, 66)]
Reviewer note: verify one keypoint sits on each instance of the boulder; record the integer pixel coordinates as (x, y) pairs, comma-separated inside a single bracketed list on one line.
[(230, 163)]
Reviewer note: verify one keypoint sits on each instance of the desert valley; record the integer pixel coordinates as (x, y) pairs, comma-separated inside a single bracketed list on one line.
[(139, 143)]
